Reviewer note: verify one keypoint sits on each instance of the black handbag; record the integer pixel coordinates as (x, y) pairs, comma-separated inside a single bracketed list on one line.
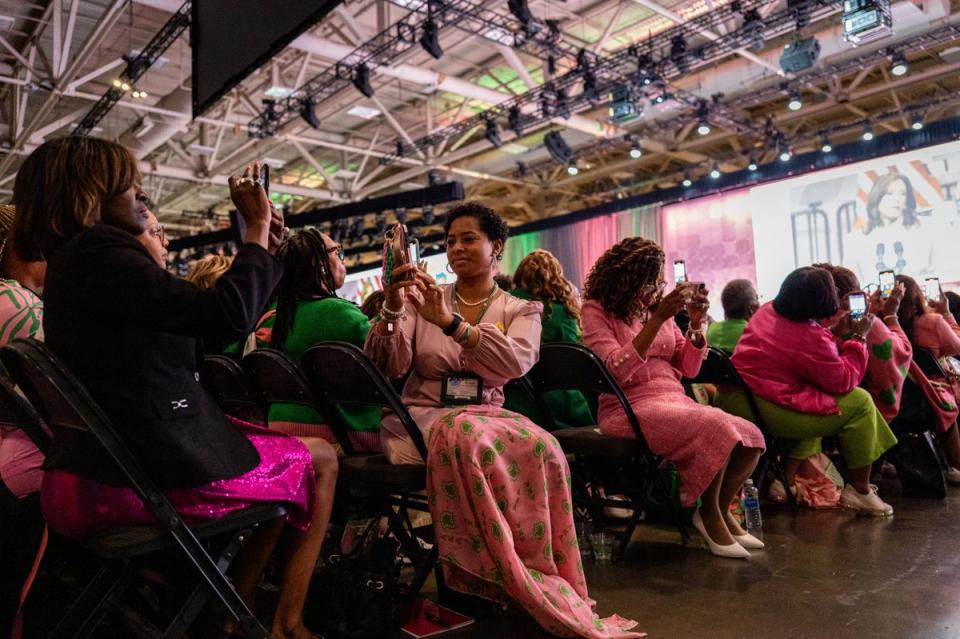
[(357, 596), (920, 466)]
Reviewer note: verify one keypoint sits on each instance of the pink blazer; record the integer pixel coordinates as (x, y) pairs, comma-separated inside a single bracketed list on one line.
[(937, 333), (797, 365)]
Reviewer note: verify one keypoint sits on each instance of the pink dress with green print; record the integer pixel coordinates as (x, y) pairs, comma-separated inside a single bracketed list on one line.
[(498, 484), (21, 315), (889, 355)]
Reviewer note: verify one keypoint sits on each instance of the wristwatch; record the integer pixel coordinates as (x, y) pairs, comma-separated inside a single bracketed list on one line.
[(454, 325)]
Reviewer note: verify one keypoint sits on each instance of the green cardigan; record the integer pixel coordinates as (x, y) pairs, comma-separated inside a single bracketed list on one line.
[(324, 320), (569, 408)]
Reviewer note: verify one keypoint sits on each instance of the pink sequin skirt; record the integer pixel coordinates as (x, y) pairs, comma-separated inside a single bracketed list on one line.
[(78, 507)]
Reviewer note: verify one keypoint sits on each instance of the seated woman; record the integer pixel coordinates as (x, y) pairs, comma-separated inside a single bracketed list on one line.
[(497, 484), (127, 329), (539, 277), (931, 325), (805, 382), (21, 463), (309, 312), (739, 300), (629, 325), (888, 350)]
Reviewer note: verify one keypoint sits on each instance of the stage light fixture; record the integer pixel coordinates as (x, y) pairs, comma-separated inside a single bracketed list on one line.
[(558, 148), (795, 102), (898, 65), (430, 40), (492, 132), (867, 133), (361, 80), (563, 107), (573, 170), (784, 152), (799, 55), (703, 128), (687, 182), (117, 83), (308, 111), (753, 164), (917, 123), (715, 171), (678, 53), (753, 28), (825, 145), (427, 218), (636, 152), (513, 120)]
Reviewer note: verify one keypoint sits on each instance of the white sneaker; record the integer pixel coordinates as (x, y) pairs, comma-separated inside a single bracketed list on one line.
[(953, 475), (869, 504)]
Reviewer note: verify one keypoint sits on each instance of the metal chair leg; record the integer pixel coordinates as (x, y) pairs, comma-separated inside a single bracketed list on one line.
[(87, 603)]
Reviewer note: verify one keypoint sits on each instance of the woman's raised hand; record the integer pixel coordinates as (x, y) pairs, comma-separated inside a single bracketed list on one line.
[(430, 304), (697, 305), (671, 304), (253, 205), (394, 293)]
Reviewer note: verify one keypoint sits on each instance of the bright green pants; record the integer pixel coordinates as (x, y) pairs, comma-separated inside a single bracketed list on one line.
[(863, 433)]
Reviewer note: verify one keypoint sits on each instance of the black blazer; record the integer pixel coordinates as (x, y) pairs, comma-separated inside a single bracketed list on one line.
[(128, 330)]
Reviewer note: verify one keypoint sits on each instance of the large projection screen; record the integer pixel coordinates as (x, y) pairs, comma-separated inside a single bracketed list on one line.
[(900, 212), (232, 38)]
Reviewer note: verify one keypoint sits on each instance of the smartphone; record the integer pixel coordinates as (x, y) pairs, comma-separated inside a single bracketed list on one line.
[(887, 283), (413, 250), (858, 305), (933, 289), (679, 272), (265, 177)]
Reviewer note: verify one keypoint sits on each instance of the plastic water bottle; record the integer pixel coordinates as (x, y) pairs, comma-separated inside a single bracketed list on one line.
[(751, 509)]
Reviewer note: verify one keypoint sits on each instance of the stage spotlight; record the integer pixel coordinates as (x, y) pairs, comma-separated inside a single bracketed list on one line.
[(361, 80), (785, 153), (513, 120), (678, 53), (917, 123), (825, 145), (558, 148), (636, 152), (715, 171), (563, 107), (492, 132), (704, 127), (430, 40), (427, 218), (308, 111), (573, 170), (752, 166), (867, 133), (795, 103), (687, 182), (117, 83), (753, 29), (898, 65)]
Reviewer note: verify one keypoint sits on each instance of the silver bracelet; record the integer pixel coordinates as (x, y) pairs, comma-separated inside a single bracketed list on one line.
[(391, 315), (893, 317)]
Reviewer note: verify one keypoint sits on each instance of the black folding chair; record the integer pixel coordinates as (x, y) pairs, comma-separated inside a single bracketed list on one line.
[(64, 404), (224, 378), (929, 365), (341, 374), (717, 369), (565, 366), (277, 379)]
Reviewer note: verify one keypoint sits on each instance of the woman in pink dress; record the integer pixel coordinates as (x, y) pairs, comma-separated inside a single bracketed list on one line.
[(497, 483), (630, 327), (931, 325)]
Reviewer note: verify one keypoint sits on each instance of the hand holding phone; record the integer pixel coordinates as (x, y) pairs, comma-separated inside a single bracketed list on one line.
[(887, 283), (857, 303), (679, 272), (932, 290)]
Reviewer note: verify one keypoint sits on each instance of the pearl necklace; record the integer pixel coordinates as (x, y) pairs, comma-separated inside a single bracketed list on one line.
[(486, 300)]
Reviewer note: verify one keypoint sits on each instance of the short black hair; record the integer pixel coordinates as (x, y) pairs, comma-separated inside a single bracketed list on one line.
[(491, 224), (807, 294)]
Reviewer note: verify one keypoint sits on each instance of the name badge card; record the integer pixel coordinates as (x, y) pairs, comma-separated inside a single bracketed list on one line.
[(461, 388)]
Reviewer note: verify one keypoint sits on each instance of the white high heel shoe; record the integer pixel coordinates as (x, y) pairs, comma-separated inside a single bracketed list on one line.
[(748, 541), (733, 551)]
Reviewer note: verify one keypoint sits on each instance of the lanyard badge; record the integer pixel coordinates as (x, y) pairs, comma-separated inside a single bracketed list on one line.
[(461, 388)]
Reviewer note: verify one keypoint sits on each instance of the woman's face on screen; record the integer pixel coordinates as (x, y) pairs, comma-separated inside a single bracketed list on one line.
[(894, 202)]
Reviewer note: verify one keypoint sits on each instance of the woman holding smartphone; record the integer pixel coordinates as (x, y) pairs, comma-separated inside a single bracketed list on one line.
[(496, 482), (930, 324), (628, 323), (805, 379)]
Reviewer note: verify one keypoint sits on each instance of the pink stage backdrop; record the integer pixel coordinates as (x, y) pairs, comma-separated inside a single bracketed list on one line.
[(714, 235)]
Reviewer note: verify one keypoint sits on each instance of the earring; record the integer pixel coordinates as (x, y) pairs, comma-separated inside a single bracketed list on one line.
[(449, 269)]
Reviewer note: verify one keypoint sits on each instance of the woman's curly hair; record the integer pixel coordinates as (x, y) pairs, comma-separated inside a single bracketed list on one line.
[(618, 276), (541, 275), (205, 272)]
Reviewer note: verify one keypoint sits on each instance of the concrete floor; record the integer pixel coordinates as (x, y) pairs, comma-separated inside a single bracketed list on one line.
[(824, 574)]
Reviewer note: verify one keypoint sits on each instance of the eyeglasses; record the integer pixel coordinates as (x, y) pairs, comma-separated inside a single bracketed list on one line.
[(338, 249), (158, 232)]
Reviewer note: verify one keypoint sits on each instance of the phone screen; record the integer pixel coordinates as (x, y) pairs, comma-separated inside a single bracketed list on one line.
[(265, 177), (887, 282), (933, 289), (858, 305), (679, 272), (413, 248)]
